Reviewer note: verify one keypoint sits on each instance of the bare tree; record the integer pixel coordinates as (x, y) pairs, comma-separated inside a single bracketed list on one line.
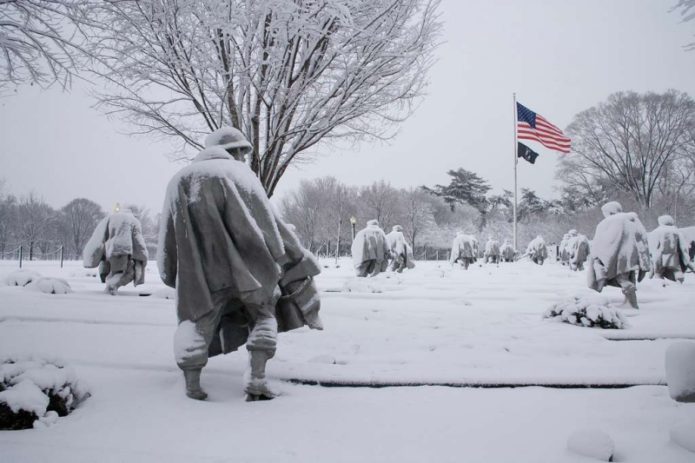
[(79, 218), (288, 73), (305, 209), (687, 11), (34, 219), (40, 41), (628, 142), (380, 201), (8, 220), (418, 213), (340, 203)]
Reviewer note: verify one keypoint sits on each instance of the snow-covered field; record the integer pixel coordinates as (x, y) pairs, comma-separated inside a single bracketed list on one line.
[(429, 329)]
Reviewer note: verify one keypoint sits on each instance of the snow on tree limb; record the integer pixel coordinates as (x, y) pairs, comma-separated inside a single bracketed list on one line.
[(288, 73), (40, 40)]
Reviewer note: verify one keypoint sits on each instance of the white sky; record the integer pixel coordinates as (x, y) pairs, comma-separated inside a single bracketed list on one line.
[(560, 57)]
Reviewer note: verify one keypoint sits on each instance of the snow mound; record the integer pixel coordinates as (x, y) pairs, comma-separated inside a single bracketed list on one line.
[(684, 435), (680, 371), (586, 311), (34, 393), (592, 443), (49, 285), (21, 277)]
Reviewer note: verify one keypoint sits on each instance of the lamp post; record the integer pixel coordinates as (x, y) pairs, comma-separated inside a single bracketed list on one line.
[(353, 222)]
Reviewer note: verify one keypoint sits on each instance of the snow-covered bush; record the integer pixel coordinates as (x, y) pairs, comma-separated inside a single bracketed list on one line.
[(586, 312), (21, 277), (49, 285), (35, 393)]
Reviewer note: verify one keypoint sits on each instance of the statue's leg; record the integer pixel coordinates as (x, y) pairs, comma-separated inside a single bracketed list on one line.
[(191, 342), (118, 273), (261, 345), (363, 269), (629, 289)]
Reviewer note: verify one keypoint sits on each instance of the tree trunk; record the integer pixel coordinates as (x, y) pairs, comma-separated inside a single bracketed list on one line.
[(337, 246)]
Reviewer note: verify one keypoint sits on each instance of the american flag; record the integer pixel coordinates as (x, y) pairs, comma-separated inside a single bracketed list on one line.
[(532, 126)]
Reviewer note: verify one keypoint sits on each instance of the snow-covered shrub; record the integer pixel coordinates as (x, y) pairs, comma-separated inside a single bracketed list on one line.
[(49, 285), (21, 277), (36, 392), (586, 312), (680, 371)]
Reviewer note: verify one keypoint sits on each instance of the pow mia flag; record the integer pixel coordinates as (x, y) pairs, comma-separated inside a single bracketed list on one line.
[(527, 153)]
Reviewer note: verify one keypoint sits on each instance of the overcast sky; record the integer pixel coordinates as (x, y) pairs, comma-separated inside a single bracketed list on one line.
[(560, 57)]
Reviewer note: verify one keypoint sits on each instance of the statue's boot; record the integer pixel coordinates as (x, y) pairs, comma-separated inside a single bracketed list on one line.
[(256, 387), (193, 389), (631, 297)]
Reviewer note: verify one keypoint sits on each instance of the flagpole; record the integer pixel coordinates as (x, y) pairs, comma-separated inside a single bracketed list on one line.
[(516, 148)]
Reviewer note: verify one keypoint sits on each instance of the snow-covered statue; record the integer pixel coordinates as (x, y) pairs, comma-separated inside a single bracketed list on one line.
[(401, 253), (492, 251), (564, 252), (370, 250), (463, 250), (669, 250), (118, 248), (507, 252), (619, 252), (579, 249), (688, 234), (537, 250), (240, 273), (476, 248)]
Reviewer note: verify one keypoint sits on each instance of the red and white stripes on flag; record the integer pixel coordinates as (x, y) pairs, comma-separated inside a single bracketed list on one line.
[(533, 126)]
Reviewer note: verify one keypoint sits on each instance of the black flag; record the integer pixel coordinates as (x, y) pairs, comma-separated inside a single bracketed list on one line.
[(527, 153)]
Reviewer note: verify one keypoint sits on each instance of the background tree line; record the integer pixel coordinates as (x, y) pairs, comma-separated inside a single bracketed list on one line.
[(638, 149), (28, 221), (321, 210)]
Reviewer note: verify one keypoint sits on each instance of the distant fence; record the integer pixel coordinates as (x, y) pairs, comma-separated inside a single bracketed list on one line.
[(21, 254), (421, 254)]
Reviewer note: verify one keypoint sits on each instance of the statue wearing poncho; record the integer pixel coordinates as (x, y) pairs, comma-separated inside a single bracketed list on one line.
[(492, 251), (370, 250), (537, 250), (620, 252), (118, 248), (240, 273), (463, 250), (401, 253), (670, 257)]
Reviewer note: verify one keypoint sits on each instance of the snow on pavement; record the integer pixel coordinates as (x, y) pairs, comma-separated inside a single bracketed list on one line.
[(431, 325)]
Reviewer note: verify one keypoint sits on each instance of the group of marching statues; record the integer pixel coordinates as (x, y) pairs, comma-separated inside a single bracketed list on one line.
[(241, 274), (621, 253)]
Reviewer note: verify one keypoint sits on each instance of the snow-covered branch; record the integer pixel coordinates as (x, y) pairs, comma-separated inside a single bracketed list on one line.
[(288, 73), (40, 40)]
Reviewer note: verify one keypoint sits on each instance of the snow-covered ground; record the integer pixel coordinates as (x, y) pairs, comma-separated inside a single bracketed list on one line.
[(429, 328)]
